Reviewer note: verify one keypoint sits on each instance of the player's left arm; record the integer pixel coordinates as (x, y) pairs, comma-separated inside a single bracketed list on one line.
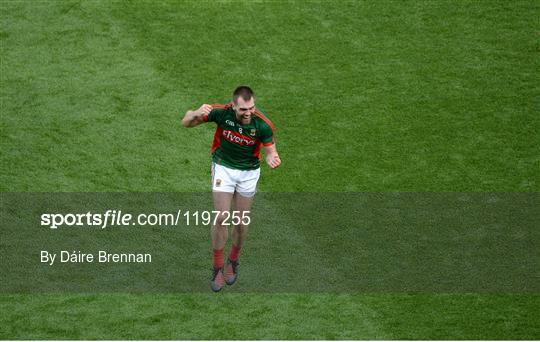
[(272, 156), (270, 151)]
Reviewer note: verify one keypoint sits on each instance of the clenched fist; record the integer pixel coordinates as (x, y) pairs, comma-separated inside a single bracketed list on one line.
[(204, 110)]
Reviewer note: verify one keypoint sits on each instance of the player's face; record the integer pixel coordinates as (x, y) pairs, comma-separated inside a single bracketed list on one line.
[(244, 110)]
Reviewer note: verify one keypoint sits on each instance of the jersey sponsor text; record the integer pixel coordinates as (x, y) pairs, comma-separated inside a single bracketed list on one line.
[(238, 139)]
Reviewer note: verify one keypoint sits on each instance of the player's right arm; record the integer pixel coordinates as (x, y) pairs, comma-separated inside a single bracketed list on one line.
[(196, 117)]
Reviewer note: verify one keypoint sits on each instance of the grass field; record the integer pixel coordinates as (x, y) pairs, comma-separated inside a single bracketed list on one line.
[(382, 96)]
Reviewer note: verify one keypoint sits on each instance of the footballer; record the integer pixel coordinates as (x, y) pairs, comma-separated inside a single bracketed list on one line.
[(241, 131)]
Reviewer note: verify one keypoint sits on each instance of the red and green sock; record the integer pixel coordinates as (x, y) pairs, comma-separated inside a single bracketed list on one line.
[(234, 253), (218, 258)]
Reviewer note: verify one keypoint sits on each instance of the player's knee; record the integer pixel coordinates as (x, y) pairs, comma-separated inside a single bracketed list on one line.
[(220, 220), (241, 227)]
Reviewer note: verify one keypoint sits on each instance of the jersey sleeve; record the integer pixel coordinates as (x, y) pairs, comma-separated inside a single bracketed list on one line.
[(216, 115), (267, 135)]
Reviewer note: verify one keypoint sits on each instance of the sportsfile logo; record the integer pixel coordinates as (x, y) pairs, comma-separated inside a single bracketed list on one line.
[(109, 218), (238, 139)]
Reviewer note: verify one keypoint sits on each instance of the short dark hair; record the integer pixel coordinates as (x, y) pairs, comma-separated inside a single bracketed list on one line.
[(243, 91)]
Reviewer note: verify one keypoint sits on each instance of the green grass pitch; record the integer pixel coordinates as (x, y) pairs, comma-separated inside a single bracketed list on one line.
[(424, 96)]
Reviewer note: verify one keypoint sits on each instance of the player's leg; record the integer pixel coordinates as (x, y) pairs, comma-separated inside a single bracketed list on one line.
[(243, 206), (222, 194), (222, 204), (242, 202)]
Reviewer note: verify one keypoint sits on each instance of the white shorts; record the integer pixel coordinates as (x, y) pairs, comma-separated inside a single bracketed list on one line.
[(225, 179)]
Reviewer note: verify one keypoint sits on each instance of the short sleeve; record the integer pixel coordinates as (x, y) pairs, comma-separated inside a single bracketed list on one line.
[(216, 115), (267, 135)]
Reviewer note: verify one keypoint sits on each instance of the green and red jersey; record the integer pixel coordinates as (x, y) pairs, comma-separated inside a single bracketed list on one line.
[(235, 145)]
